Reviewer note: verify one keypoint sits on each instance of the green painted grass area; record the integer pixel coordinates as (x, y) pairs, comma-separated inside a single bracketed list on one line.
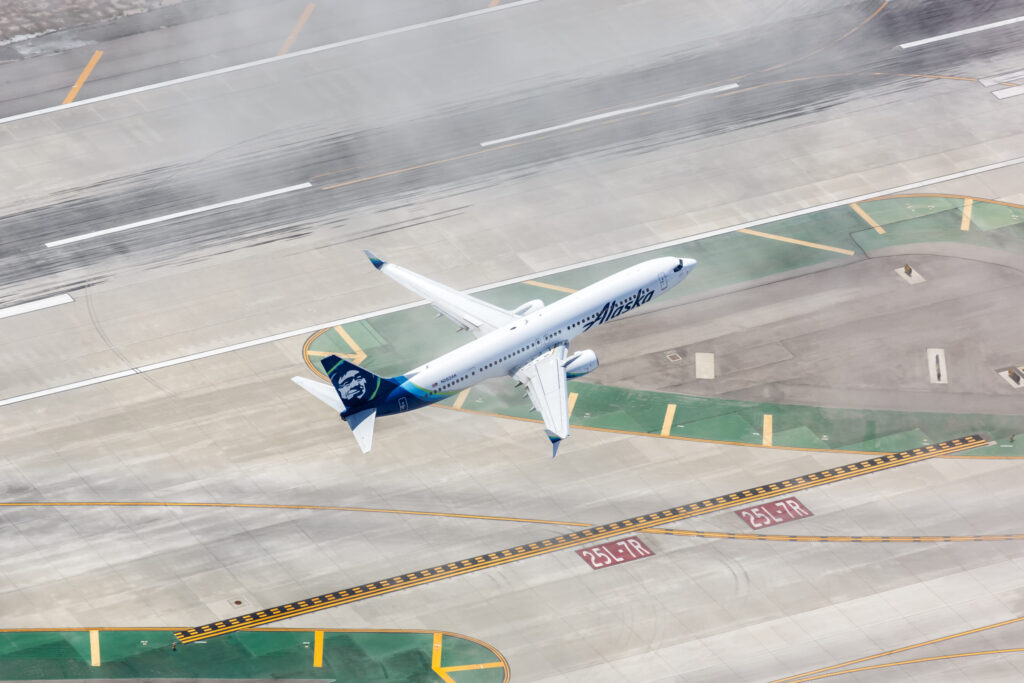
[(356, 657), (400, 341)]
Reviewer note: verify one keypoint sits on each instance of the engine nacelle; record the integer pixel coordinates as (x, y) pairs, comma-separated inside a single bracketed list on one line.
[(529, 307), (580, 363)]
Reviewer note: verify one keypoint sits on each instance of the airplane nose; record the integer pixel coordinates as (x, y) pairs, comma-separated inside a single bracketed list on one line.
[(689, 263)]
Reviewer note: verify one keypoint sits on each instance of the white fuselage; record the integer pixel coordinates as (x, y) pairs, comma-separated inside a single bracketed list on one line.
[(506, 349)]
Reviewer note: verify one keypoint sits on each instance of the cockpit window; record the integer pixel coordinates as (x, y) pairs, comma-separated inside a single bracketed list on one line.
[(678, 267)]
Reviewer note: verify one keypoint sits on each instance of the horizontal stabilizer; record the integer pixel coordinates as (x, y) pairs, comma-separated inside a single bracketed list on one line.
[(324, 392), (362, 427)]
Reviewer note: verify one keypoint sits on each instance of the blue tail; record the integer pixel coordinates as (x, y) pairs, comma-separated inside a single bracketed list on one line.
[(358, 389)]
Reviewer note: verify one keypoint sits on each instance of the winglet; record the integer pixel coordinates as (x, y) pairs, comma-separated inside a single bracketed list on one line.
[(555, 440), (377, 263)]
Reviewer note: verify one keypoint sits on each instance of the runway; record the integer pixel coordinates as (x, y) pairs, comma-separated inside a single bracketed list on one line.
[(200, 214)]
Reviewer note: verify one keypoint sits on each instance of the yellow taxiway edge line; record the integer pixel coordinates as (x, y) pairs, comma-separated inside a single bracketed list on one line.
[(572, 401), (461, 399), (94, 647), (73, 93), (298, 29), (802, 243), (965, 222), (868, 219), (318, 649), (670, 414), (766, 431), (545, 285)]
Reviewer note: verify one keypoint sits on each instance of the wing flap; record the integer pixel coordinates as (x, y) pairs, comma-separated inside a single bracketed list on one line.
[(548, 390)]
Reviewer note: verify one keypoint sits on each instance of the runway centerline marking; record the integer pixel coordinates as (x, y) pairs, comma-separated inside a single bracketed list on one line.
[(576, 538), (303, 18), (609, 114), (271, 60), (309, 329), (802, 243), (36, 305), (73, 93), (179, 214), (964, 32)]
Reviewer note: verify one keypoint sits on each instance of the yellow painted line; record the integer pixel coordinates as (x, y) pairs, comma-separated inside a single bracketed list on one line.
[(494, 3), (670, 414), (461, 399), (435, 660), (766, 431), (572, 401), (545, 285), (568, 540), (908, 661), (965, 223), (357, 355), (318, 649), (94, 647), (298, 29), (474, 667), (868, 219), (73, 93), (808, 676), (802, 243)]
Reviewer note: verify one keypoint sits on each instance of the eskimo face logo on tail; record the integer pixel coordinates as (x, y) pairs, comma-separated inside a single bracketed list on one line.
[(352, 385), (613, 309)]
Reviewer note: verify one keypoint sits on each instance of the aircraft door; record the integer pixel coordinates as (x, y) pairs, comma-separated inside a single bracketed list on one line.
[(403, 404), (663, 281)]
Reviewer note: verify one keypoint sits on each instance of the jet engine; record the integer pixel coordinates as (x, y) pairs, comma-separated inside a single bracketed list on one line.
[(529, 307), (580, 363)]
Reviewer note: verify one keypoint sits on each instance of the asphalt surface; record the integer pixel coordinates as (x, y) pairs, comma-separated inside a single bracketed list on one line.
[(400, 119)]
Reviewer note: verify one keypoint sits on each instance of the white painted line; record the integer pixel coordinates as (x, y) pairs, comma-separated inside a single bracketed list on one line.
[(937, 366), (1004, 78), (956, 34), (609, 114), (180, 214), (705, 365), (1009, 92), (270, 60), (36, 305), (482, 288)]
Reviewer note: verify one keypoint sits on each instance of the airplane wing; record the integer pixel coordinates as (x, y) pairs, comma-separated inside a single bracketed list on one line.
[(546, 386), (466, 311)]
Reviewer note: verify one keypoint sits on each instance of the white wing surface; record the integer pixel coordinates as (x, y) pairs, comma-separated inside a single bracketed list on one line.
[(546, 386), (466, 311)]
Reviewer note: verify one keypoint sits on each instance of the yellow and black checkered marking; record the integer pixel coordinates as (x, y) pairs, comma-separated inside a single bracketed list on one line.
[(575, 538)]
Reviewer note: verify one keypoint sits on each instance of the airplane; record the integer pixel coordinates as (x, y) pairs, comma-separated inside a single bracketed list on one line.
[(529, 344)]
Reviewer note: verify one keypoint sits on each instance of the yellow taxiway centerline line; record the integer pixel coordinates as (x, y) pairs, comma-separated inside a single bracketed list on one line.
[(473, 667), (545, 285), (318, 649), (965, 222), (73, 93), (887, 653), (461, 399), (435, 660), (802, 243), (868, 219), (919, 660), (670, 414), (298, 29), (94, 647), (572, 401), (766, 431), (358, 355)]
